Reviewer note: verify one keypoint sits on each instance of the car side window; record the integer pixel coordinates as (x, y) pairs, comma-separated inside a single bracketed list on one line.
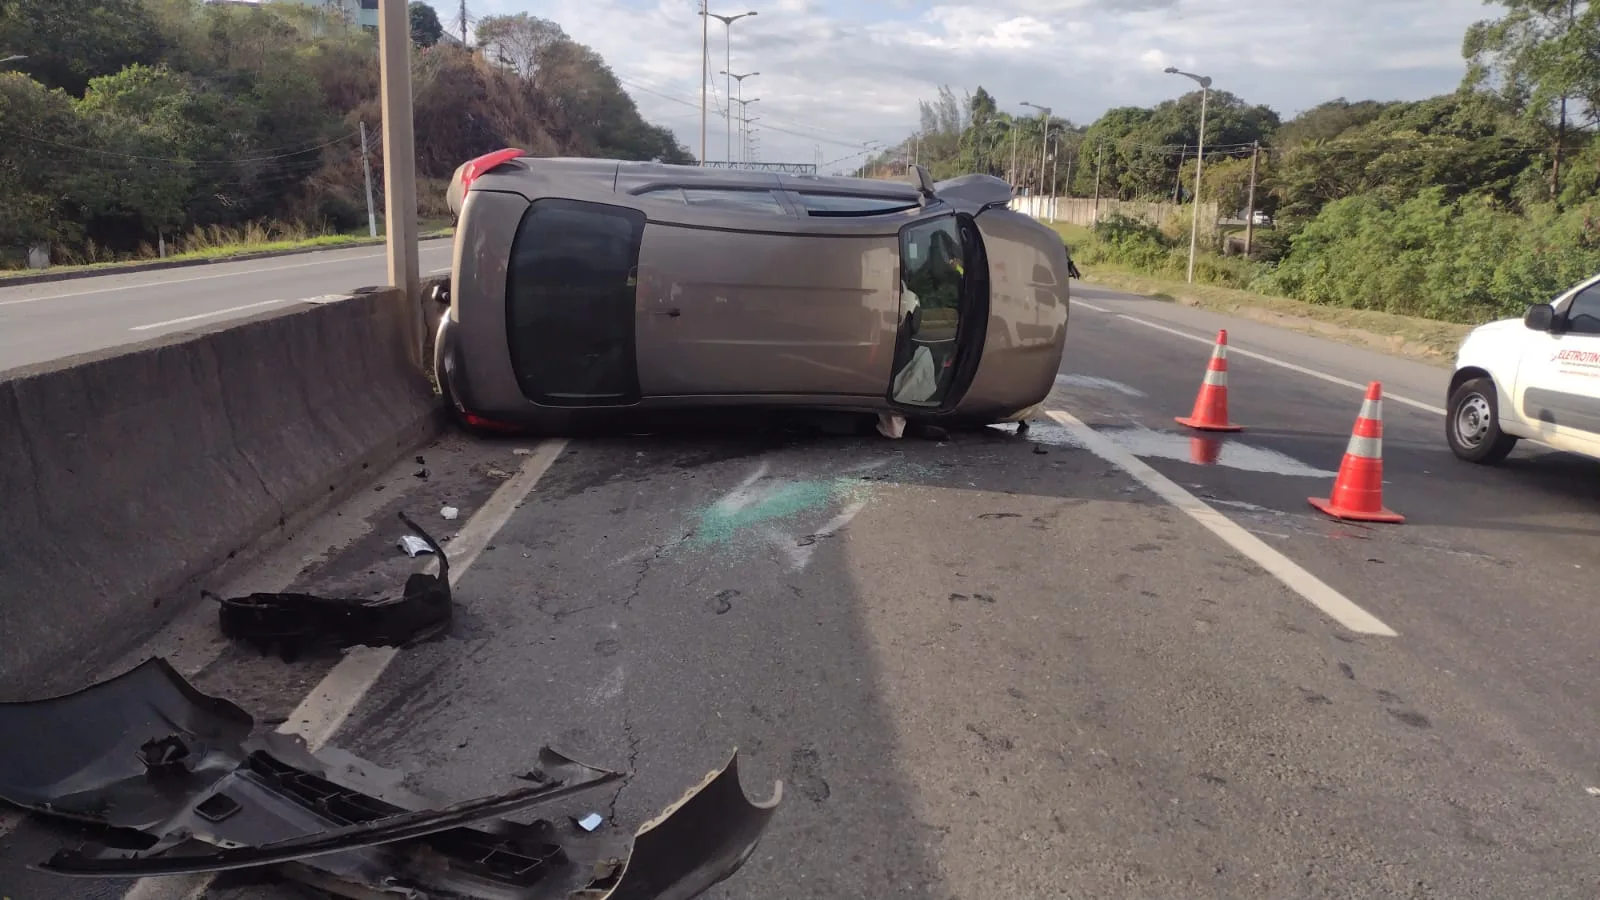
[(732, 199), (851, 205), (1583, 313)]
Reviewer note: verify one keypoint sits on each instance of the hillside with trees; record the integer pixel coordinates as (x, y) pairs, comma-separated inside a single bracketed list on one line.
[(132, 122), (1465, 206)]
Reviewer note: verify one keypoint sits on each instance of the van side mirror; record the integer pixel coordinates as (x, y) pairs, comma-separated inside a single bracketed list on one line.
[(1540, 317)]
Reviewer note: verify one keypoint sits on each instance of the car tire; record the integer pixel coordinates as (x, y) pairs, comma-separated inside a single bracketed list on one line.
[(1472, 423)]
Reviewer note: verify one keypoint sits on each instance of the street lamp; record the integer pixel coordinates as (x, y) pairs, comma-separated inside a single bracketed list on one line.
[(727, 22), (1199, 160), (1044, 135), (740, 99)]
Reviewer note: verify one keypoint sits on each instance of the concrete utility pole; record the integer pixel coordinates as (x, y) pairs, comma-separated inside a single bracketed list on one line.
[(366, 166), (727, 22), (1013, 178), (1250, 204), (1199, 161), (1099, 157), (1044, 135), (400, 164), (1055, 162), (463, 23)]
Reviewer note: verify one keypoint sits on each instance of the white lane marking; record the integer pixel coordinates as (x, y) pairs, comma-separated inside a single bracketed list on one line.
[(1261, 357), (1087, 305), (207, 315), (1336, 605), (332, 701), (167, 281), (437, 271)]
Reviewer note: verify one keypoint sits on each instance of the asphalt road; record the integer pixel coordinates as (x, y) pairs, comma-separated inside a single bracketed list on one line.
[(1009, 665), (43, 322)]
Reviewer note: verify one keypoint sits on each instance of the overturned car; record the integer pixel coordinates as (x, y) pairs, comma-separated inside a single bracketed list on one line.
[(179, 782), (587, 290)]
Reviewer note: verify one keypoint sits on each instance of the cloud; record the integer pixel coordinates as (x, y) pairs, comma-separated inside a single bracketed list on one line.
[(838, 73)]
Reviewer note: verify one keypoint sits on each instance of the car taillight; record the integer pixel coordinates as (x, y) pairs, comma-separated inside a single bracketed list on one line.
[(484, 164)]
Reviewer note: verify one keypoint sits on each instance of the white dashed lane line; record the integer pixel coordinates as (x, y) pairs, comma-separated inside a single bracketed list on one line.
[(1332, 603), (1235, 350)]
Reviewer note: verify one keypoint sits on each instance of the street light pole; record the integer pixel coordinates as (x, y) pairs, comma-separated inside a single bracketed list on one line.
[(727, 22), (1199, 161), (400, 165), (705, 74), (740, 101)]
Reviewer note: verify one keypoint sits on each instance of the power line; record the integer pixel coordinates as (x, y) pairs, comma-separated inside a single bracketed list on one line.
[(767, 122), (184, 162)]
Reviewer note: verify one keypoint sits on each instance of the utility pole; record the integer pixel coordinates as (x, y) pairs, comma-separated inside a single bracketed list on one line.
[(1177, 177), (1099, 157), (400, 165), (366, 166), (1013, 155), (1055, 162), (463, 23), (1250, 204)]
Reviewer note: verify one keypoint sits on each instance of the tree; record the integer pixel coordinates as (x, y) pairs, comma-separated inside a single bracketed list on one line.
[(1540, 56), (519, 42), (426, 29), (68, 42)]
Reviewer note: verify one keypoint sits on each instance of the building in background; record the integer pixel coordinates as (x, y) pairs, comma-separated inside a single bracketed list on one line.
[(350, 13)]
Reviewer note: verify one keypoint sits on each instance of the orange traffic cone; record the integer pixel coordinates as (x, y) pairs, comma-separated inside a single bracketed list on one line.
[(1358, 490), (1211, 404)]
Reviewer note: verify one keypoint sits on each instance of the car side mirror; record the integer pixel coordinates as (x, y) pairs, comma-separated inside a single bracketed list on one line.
[(1540, 317)]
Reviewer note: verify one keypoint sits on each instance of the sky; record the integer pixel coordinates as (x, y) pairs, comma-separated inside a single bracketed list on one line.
[(837, 74)]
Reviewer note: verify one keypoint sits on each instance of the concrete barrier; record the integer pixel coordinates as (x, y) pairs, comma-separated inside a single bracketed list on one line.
[(126, 474)]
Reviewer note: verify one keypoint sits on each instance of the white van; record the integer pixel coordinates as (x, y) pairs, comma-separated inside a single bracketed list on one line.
[(1538, 378)]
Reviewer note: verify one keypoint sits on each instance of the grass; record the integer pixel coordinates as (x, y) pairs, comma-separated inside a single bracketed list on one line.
[(217, 242), (1423, 340)]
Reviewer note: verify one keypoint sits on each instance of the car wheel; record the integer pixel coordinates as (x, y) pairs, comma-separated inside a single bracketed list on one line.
[(1473, 424)]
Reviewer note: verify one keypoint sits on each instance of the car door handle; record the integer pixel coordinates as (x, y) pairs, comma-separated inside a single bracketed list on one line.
[(672, 313)]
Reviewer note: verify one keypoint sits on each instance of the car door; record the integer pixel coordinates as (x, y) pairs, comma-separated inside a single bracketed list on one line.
[(1558, 381), (739, 296)]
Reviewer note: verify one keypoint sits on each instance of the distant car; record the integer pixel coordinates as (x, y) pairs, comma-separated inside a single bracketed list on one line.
[(581, 288), (1538, 378)]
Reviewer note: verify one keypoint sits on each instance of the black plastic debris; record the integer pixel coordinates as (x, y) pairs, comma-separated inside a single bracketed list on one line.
[(183, 783), (292, 624)]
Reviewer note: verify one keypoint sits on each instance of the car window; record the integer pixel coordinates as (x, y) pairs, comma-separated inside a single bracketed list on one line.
[(734, 199), (1583, 313), (846, 205)]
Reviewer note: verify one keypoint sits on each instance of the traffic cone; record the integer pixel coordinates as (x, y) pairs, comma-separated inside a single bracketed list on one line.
[(1211, 404), (1358, 489)]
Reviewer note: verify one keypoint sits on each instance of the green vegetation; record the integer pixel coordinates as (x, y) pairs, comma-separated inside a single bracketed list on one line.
[(133, 123), (1462, 208)]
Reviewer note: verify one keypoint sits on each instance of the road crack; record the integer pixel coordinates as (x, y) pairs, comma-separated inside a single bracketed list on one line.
[(634, 742)]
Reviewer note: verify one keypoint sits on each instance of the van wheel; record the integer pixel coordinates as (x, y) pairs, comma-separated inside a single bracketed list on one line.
[(1472, 424)]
